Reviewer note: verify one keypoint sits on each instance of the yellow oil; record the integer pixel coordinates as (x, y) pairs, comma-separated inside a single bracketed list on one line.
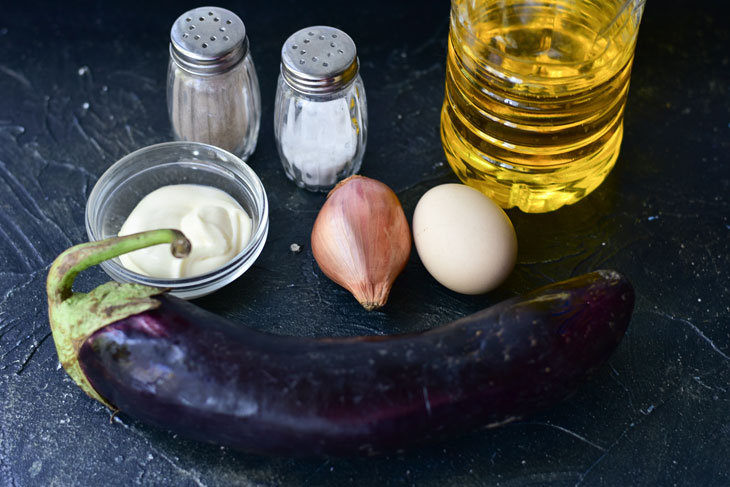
[(535, 94)]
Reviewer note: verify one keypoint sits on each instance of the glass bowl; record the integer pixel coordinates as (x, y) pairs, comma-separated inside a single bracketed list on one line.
[(131, 178)]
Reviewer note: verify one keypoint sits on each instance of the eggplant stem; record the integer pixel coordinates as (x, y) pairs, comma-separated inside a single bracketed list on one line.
[(76, 316), (71, 262)]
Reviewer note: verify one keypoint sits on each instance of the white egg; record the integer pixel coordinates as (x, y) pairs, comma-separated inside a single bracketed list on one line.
[(465, 241)]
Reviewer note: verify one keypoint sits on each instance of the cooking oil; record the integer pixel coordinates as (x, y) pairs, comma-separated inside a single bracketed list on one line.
[(535, 95)]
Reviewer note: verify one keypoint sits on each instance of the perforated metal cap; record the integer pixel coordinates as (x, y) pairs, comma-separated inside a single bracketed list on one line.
[(208, 40), (318, 60)]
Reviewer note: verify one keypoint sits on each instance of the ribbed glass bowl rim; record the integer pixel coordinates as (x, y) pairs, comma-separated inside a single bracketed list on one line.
[(202, 284)]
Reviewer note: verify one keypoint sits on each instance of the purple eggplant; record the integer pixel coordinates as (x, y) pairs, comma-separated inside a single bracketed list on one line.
[(184, 369)]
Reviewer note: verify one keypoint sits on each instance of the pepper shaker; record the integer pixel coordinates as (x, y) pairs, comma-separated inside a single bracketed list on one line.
[(320, 117), (212, 88)]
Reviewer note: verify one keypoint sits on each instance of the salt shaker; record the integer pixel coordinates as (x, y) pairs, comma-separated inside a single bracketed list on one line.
[(320, 117), (212, 88)]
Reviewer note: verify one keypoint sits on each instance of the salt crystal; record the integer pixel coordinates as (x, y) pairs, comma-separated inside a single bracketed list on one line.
[(313, 139)]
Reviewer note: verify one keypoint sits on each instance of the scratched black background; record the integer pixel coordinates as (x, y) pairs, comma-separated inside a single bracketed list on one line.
[(82, 84)]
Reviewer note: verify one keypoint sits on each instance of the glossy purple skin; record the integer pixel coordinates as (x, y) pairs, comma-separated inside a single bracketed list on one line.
[(194, 373)]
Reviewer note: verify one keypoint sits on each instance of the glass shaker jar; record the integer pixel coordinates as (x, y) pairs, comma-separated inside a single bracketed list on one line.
[(320, 116), (212, 88)]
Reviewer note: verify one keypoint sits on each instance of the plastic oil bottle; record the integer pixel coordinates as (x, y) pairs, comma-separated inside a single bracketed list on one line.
[(535, 95)]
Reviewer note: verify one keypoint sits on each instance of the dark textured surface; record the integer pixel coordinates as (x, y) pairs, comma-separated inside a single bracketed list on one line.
[(83, 85)]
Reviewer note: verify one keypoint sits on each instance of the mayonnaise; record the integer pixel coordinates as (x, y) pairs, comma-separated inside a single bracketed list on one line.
[(216, 225)]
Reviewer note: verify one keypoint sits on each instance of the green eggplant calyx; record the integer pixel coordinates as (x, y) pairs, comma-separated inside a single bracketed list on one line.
[(76, 316)]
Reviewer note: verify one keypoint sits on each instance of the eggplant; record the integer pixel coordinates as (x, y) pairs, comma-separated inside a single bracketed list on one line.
[(171, 364)]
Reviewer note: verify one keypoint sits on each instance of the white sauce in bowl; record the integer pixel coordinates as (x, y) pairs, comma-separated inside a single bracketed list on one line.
[(216, 225)]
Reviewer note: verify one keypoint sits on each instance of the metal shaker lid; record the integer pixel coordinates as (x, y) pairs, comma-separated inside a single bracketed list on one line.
[(319, 60), (208, 40)]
